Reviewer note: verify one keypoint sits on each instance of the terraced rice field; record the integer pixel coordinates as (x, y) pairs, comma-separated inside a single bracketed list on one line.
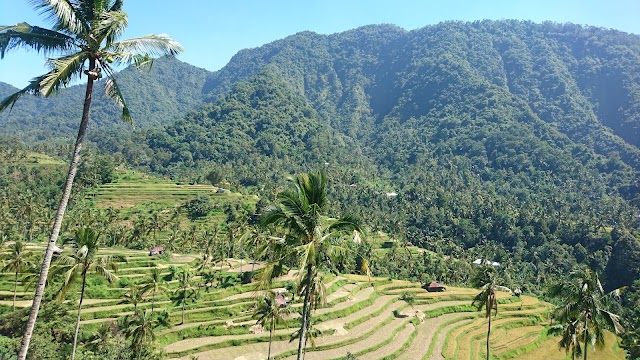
[(133, 189), (358, 319)]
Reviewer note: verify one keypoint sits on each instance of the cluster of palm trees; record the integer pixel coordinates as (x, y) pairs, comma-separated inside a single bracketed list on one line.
[(308, 240), (83, 261), (582, 317), (19, 261), (85, 38), (584, 314)]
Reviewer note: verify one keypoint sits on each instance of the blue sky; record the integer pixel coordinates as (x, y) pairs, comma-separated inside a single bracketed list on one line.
[(211, 32)]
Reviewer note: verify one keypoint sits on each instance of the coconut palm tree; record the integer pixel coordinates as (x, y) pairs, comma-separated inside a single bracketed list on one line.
[(585, 305), (82, 262), (154, 284), (134, 296), (139, 328), (185, 290), (18, 260), (84, 32), (570, 339), (486, 278), (270, 310), (307, 241)]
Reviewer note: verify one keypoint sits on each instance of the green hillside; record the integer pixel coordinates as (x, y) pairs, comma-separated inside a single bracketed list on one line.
[(156, 96)]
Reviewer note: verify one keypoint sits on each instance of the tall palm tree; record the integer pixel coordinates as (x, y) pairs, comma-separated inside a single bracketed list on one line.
[(82, 262), (270, 310), (84, 31), (585, 305), (185, 290), (139, 328), (486, 278), (18, 260), (134, 296), (570, 338), (307, 241), (153, 284)]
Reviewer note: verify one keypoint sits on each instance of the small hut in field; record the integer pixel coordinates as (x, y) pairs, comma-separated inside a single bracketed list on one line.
[(156, 250), (435, 287)]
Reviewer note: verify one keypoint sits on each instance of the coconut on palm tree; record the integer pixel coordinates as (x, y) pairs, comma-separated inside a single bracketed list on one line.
[(84, 261), (16, 261), (270, 310), (486, 278), (584, 310), (84, 41), (309, 240)]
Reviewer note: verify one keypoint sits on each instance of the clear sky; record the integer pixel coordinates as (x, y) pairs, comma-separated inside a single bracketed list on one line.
[(212, 31)]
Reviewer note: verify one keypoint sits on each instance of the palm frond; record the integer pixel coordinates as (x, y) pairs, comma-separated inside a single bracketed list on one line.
[(266, 274), (111, 26), (63, 13), (291, 205), (104, 272), (132, 51), (64, 69), (117, 5), (24, 35), (612, 320), (273, 215), (73, 272), (32, 88), (112, 91), (347, 223)]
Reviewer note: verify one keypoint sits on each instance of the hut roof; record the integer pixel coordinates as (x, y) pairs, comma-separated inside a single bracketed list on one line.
[(435, 284), (485, 262)]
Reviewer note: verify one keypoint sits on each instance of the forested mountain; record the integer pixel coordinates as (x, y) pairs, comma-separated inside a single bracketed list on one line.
[(166, 92), (507, 140), (518, 139), (518, 135), (581, 80)]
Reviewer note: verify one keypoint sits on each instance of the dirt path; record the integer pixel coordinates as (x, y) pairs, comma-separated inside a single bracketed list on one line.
[(376, 337), (96, 321), (341, 292), (19, 303), (19, 293), (426, 331), (361, 295), (253, 294), (398, 340), (195, 343), (437, 349), (120, 306), (246, 266)]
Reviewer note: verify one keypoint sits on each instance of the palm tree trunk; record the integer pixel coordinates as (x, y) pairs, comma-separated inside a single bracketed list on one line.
[(586, 338), (305, 309), (184, 300), (271, 337), (15, 291), (220, 269), (153, 299), (488, 334), (46, 262), (75, 334)]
